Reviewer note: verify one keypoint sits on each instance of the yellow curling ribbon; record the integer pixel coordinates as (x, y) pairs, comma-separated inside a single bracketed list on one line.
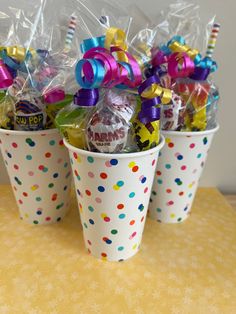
[(18, 53), (178, 47), (157, 91), (117, 37)]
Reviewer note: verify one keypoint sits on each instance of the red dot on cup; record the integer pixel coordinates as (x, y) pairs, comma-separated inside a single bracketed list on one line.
[(183, 168), (170, 145), (132, 222), (169, 203), (181, 193), (89, 242), (145, 190), (158, 173), (14, 145), (41, 167), (20, 202), (103, 175), (61, 143), (142, 219), (48, 218), (75, 155), (16, 167), (48, 155), (25, 194), (192, 145), (54, 197), (168, 191), (88, 192), (153, 162), (30, 173), (135, 169), (120, 206), (106, 219), (103, 254)]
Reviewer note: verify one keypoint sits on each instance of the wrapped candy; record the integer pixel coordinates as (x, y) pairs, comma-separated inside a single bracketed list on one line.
[(109, 129)]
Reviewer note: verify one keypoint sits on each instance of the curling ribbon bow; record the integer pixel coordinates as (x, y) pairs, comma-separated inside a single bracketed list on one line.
[(152, 95), (101, 69)]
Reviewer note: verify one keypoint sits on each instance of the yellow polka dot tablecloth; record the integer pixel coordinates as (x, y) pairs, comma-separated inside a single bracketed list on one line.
[(180, 268)]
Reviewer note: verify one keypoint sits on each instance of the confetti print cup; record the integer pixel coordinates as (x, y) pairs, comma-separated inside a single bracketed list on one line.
[(113, 192), (177, 175), (39, 169)]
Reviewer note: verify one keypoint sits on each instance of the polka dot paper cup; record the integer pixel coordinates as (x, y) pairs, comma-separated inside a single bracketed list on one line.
[(113, 192), (39, 169), (177, 175)]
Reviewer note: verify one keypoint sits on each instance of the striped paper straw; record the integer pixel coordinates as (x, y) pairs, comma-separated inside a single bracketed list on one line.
[(212, 40), (70, 33)]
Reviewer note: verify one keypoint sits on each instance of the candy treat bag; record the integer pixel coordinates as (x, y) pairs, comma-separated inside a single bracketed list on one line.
[(37, 55)]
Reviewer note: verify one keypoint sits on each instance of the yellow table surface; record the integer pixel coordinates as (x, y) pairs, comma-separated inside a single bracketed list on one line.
[(184, 268)]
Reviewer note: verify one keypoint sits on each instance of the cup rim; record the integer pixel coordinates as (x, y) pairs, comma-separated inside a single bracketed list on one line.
[(120, 155), (190, 133), (29, 133)]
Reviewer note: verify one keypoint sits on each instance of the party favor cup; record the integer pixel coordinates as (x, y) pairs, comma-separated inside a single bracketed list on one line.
[(177, 175), (39, 169), (113, 192)]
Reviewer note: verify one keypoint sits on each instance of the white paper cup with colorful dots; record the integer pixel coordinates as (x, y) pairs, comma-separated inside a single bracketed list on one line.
[(113, 192), (177, 175), (39, 169)]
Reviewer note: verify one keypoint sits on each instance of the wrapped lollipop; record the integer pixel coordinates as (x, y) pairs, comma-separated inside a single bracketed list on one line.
[(109, 129)]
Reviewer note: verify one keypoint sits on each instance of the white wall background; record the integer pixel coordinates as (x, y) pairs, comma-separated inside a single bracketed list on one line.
[(220, 170)]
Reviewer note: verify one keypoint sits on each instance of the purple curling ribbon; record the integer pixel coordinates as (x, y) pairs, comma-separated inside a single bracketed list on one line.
[(86, 97), (149, 111), (200, 74)]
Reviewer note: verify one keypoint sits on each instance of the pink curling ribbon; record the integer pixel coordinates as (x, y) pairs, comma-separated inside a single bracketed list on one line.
[(54, 95), (6, 79), (180, 65)]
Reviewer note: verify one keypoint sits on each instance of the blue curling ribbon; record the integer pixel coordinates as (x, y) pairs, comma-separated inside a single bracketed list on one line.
[(208, 63), (92, 43), (97, 70), (178, 38)]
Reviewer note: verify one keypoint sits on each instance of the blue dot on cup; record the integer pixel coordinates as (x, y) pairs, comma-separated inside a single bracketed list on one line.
[(113, 162), (131, 195), (101, 188), (122, 216)]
